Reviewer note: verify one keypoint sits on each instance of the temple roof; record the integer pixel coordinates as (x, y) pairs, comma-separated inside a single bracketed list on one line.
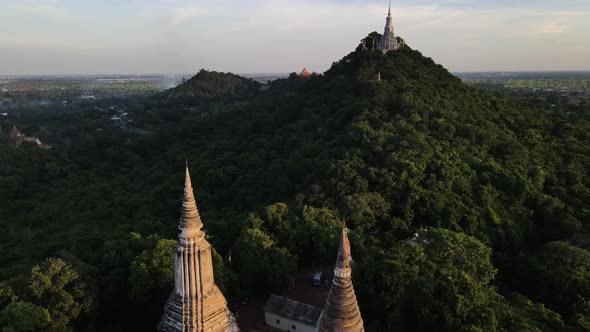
[(304, 73), (293, 310), (190, 220), (15, 133)]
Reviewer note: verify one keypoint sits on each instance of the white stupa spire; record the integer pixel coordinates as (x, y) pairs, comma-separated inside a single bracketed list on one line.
[(389, 40), (389, 12), (196, 303)]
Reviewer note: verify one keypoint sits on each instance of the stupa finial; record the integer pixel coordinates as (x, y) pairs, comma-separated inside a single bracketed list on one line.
[(190, 220), (343, 260), (389, 13)]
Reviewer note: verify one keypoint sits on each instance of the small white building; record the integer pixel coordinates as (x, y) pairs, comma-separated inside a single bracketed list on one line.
[(291, 316)]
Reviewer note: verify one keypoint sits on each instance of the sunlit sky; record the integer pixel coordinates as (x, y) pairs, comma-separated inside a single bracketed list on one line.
[(181, 36)]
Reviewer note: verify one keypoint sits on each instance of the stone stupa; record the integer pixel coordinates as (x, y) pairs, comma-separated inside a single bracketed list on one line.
[(196, 304)]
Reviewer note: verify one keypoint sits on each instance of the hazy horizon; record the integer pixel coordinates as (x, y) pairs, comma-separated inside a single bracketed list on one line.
[(186, 75), (67, 37)]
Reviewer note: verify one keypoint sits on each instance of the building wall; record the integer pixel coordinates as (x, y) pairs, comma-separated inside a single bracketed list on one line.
[(286, 324)]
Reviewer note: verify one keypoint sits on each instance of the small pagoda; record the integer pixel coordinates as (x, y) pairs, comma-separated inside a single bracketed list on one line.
[(341, 312)]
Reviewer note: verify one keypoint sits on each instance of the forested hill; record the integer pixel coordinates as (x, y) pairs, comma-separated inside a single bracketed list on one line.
[(496, 192), (210, 85)]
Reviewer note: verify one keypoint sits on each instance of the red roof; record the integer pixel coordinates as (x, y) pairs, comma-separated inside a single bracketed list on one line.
[(304, 73)]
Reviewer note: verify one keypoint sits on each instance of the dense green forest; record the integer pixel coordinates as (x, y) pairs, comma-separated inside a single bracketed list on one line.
[(493, 193)]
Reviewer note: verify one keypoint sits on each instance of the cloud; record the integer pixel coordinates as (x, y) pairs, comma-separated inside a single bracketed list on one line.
[(183, 14), (554, 28), (49, 8)]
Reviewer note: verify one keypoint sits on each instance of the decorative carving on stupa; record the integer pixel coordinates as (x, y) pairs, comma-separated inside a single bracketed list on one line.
[(389, 41), (341, 312), (196, 304)]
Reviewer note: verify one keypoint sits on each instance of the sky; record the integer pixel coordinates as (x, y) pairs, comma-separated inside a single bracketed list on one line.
[(42, 37)]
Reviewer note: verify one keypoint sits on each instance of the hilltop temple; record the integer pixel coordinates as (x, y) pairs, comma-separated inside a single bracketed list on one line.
[(389, 41), (196, 304)]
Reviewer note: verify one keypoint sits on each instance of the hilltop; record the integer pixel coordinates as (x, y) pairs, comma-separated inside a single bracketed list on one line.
[(210, 84)]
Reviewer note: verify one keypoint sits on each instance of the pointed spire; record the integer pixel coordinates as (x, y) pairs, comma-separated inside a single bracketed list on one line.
[(190, 220), (196, 303), (341, 312), (342, 268), (389, 13), (388, 42)]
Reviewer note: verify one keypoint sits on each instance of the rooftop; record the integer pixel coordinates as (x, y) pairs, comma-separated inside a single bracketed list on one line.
[(293, 310)]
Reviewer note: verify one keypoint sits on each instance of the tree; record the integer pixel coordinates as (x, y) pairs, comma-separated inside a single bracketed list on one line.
[(365, 210), (442, 283), (152, 272), (386, 275), (24, 316), (372, 40), (7, 295), (518, 313), (56, 286), (221, 274), (261, 264), (561, 226), (559, 273)]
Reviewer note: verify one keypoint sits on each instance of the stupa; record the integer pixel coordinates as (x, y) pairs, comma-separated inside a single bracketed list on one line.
[(341, 312), (389, 40), (196, 304)]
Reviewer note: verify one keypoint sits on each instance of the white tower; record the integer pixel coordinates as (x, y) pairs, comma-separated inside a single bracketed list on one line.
[(388, 41), (196, 304)]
